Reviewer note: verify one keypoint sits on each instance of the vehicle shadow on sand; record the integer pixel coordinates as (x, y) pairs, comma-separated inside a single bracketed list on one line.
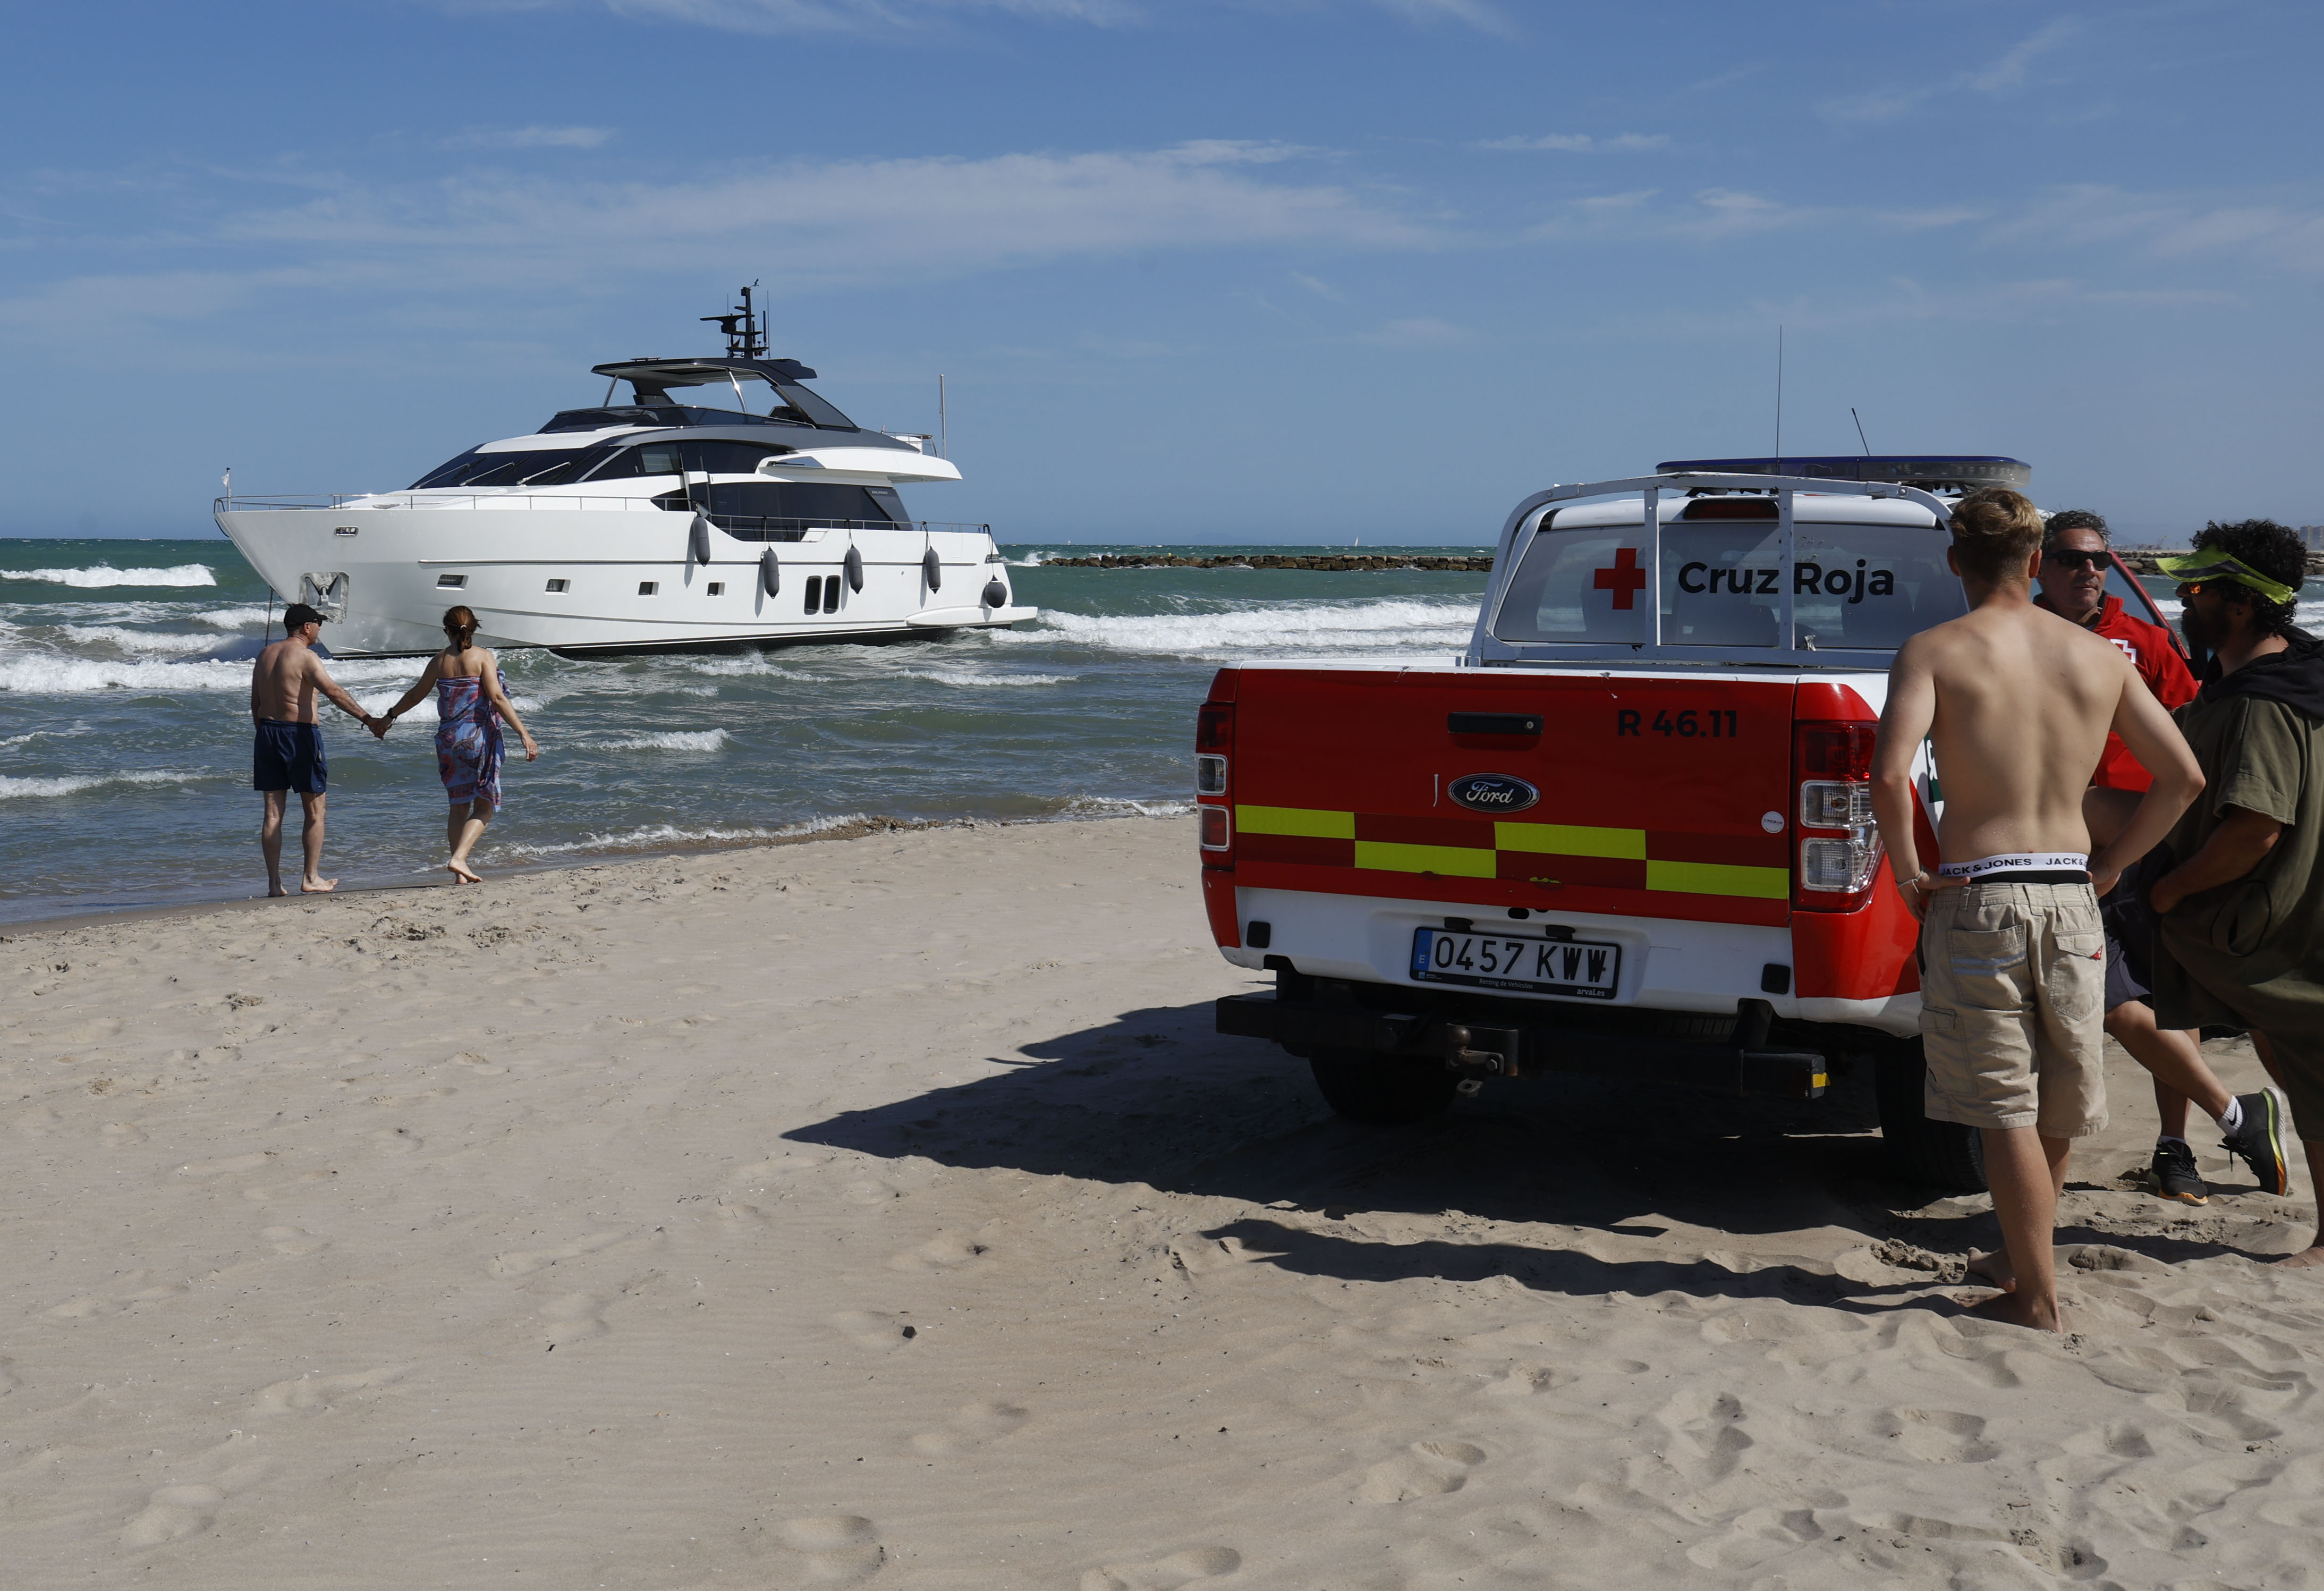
[(1156, 1097)]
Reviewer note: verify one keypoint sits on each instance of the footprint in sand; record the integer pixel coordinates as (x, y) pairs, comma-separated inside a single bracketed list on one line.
[(946, 1251), (869, 1330), (1424, 1469), (181, 1510), (260, 1193), (120, 1135), (1164, 1574), (1936, 1435), (89, 1306), (571, 1319), (7, 1376), (172, 1513), (834, 1549), (525, 1261), (870, 1193), (294, 1240), (200, 1170), (972, 1425), (1524, 1381), (326, 1392)]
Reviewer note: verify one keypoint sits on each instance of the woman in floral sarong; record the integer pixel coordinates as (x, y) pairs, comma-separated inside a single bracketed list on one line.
[(469, 706)]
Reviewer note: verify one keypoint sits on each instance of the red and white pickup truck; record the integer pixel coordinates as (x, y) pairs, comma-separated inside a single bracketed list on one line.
[(1629, 831)]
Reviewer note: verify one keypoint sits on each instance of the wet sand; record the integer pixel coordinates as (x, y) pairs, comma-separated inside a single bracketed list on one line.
[(884, 1212)]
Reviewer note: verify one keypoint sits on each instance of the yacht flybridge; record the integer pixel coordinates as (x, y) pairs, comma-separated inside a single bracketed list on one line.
[(726, 504)]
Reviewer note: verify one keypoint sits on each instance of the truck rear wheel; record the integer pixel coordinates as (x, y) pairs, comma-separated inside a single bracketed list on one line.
[(1382, 1090), (1943, 1155)]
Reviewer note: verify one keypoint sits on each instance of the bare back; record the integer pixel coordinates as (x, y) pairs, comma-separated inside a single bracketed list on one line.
[(283, 682), (2022, 704)]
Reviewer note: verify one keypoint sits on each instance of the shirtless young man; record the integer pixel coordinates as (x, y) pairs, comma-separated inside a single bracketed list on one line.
[(2018, 703), (287, 750)]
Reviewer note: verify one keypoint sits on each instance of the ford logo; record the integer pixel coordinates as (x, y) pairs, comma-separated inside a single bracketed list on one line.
[(1492, 792)]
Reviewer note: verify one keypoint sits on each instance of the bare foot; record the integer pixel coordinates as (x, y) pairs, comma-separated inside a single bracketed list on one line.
[(1994, 1268), (319, 886), (2008, 1307), (2305, 1259), (275, 889), (464, 873)]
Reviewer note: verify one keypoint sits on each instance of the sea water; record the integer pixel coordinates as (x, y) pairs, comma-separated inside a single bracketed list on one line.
[(125, 762)]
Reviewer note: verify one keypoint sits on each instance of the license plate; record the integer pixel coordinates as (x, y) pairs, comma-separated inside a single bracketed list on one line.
[(1584, 968)]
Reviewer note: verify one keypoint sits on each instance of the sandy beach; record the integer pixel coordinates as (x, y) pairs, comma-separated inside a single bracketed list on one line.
[(885, 1212)]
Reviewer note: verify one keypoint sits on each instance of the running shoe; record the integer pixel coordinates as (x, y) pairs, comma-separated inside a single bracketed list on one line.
[(2175, 1176), (2259, 1141)]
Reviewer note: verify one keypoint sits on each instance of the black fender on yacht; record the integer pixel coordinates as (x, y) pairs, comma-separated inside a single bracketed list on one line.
[(854, 567), (932, 569), (996, 595), (697, 540), (771, 573)]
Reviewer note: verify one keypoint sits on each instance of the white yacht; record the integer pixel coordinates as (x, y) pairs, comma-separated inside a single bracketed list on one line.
[(725, 504)]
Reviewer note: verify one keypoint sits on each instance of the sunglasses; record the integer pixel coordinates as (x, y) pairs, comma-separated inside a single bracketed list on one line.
[(2077, 560)]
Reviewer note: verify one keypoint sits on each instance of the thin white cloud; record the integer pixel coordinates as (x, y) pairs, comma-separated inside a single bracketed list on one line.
[(1320, 287), (2010, 71), (904, 19), (2284, 233), (1423, 331), (803, 226), (1584, 144), (1476, 13), (530, 138), (862, 16)]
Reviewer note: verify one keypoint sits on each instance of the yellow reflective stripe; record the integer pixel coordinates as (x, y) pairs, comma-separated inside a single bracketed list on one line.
[(1459, 861), (1719, 878), (1301, 820), (1566, 839)]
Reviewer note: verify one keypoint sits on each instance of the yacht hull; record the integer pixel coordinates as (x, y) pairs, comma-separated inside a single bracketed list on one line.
[(385, 574)]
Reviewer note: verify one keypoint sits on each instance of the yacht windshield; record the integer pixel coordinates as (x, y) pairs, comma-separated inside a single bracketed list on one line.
[(742, 392), (533, 466)]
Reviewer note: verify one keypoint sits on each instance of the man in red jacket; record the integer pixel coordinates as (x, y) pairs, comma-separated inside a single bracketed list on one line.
[(2074, 566)]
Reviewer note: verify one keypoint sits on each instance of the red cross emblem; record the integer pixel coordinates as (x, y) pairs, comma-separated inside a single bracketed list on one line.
[(1625, 580)]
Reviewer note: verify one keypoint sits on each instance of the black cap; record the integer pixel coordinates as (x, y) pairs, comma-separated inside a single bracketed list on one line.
[(299, 615)]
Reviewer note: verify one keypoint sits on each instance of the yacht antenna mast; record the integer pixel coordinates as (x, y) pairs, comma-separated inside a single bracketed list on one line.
[(744, 328)]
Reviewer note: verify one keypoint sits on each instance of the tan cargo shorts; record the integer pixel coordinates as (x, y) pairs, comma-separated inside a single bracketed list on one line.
[(2013, 981)]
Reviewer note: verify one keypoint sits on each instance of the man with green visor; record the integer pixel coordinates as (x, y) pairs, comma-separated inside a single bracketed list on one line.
[(2239, 937)]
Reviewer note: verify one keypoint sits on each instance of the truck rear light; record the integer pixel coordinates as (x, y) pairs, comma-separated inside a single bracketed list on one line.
[(1215, 728), (1838, 866), (1218, 829), (1833, 803), (1831, 765), (1210, 775)]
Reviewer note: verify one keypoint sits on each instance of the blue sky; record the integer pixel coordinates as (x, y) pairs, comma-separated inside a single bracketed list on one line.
[(1239, 270)]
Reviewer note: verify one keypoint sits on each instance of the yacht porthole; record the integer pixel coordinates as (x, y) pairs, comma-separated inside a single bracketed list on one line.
[(560, 585), (648, 587), (717, 588), (451, 582)]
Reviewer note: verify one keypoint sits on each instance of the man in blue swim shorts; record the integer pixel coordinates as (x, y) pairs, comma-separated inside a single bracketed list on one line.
[(287, 753)]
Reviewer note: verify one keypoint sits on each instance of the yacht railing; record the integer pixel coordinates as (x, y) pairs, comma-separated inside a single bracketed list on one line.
[(747, 527)]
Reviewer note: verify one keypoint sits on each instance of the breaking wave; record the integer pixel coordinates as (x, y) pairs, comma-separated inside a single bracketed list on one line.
[(15, 789), (105, 574), (668, 740), (1306, 629)]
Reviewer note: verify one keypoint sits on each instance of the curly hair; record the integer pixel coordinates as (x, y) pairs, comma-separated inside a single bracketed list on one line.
[(1994, 532), (2074, 519), (2274, 549)]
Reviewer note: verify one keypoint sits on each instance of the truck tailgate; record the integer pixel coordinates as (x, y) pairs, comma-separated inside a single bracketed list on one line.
[(1655, 796)]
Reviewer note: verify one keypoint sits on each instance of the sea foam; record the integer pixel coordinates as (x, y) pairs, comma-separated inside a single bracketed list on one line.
[(104, 573), (15, 789), (1390, 624)]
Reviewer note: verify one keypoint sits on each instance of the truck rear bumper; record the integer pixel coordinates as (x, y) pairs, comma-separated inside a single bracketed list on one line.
[(1475, 1049)]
